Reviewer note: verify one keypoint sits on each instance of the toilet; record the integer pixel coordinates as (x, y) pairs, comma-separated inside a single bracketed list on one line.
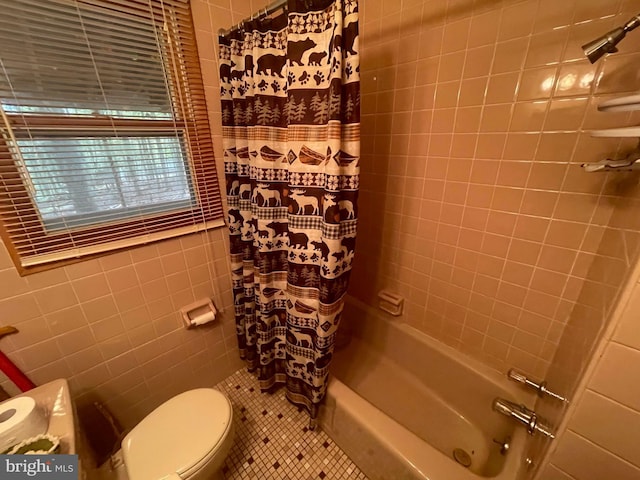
[(186, 438)]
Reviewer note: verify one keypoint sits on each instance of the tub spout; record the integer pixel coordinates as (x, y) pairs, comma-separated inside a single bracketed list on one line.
[(523, 416)]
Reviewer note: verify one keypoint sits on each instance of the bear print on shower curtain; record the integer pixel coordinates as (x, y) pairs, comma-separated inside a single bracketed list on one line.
[(291, 130)]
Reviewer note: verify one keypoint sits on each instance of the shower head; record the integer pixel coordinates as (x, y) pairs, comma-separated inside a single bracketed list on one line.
[(607, 43)]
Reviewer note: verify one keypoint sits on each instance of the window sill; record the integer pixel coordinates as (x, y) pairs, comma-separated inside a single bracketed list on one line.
[(41, 263)]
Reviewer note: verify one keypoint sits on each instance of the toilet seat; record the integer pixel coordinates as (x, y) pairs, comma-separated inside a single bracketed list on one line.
[(180, 437)]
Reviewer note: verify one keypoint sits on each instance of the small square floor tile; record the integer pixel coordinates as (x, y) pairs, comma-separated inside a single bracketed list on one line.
[(272, 440)]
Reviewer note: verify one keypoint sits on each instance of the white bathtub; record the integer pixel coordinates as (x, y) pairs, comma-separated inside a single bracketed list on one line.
[(399, 403)]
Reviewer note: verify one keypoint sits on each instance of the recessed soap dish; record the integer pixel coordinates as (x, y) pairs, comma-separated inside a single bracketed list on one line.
[(390, 302), (632, 160)]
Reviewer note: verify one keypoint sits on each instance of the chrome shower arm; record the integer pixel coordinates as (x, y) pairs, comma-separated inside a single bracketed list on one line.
[(632, 24)]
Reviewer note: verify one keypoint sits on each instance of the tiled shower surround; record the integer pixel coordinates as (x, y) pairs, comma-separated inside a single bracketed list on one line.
[(473, 203)]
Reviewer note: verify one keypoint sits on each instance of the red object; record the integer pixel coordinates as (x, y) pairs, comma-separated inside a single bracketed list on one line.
[(15, 374)]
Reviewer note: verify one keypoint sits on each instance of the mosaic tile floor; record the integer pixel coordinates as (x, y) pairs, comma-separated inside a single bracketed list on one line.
[(273, 441)]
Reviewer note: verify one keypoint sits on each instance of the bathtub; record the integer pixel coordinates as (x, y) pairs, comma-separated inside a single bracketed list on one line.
[(404, 406)]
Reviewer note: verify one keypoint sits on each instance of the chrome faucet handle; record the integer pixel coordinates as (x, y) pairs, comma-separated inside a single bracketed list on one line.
[(540, 387)]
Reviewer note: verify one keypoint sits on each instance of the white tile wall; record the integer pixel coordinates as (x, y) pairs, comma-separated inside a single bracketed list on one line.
[(584, 460), (603, 434)]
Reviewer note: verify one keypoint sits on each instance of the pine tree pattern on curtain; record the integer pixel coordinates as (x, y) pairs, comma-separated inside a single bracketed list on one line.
[(290, 93)]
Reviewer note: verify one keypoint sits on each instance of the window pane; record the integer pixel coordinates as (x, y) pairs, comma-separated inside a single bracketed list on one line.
[(88, 180), (65, 58)]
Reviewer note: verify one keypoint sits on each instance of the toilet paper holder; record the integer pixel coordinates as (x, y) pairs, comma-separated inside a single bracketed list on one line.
[(198, 313)]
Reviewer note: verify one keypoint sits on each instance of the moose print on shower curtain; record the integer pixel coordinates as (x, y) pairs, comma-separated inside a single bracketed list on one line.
[(291, 130)]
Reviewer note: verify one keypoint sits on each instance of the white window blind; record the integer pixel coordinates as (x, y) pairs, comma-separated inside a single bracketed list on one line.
[(105, 136)]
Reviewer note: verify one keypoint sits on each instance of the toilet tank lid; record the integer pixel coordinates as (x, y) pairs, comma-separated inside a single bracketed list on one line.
[(177, 435)]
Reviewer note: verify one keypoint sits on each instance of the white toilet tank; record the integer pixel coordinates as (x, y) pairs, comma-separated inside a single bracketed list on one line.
[(182, 436)]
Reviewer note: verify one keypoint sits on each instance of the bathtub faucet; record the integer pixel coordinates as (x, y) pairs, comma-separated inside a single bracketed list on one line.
[(522, 415)]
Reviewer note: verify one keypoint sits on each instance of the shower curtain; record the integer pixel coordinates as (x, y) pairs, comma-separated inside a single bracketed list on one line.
[(290, 94)]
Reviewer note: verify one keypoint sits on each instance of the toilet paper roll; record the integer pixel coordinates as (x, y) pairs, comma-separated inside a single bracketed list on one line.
[(20, 418), (198, 313), (203, 318)]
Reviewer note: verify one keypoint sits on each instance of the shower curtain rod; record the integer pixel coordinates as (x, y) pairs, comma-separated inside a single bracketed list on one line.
[(268, 10)]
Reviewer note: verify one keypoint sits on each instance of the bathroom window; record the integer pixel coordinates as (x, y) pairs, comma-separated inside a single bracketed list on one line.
[(105, 137)]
